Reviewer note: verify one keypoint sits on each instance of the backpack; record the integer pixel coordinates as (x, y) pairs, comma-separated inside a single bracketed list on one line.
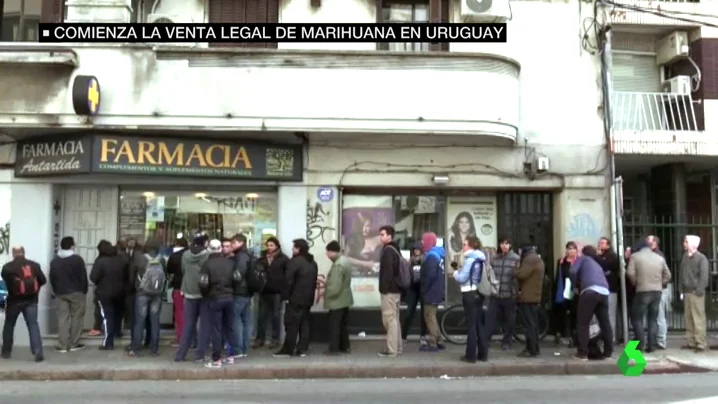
[(26, 283), (406, 272), (256, 275), (152, 283), (488, 284)]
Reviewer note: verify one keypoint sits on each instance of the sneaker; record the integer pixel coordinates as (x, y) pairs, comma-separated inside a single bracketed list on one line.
[(229, 360), (281, 354), (174, 344), (386, 354), (243, 355), (94, 333), (300, 354), (423, 341), (77, 347), (580, 358), (60, 349), (213, 364), (130, 353)]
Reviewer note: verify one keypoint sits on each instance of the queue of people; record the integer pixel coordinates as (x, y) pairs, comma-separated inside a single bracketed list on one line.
[(214, 282)]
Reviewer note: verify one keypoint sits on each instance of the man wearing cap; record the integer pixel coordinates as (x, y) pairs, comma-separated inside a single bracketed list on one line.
[(338, 299), (194, 307), (216, 282)]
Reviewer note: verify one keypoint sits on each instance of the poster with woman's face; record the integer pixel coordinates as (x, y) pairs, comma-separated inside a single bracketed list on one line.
[(470, 217), (361, 238)]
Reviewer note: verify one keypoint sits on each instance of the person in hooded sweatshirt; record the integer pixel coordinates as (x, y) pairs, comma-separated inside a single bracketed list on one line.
[(468, 278), (174, 272), (611, 265), (588, 277), (432, 289), (694, 281), (413, 296), (68, 278), (149, 297), (195, 308), (502, 308), (302, 272), (110, 279)]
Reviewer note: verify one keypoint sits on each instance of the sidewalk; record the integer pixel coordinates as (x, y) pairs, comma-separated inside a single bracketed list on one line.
[(92, 364)]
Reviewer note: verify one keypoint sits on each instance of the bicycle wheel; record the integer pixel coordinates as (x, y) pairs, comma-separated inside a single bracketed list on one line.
[(453, 325), (543, 325)]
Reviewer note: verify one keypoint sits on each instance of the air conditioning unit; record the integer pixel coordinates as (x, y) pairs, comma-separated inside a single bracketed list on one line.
[(170, 19), (485, 10), (672, 48), (679, 85)]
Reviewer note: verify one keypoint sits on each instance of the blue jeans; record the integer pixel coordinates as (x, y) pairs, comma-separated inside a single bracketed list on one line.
[(147, 306), (221, 313), (242, 324), (29, 313), (646, 304), (194, 310)]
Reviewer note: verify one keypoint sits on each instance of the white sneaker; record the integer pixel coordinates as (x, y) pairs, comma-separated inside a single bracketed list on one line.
[(228, 360), (213, 364)]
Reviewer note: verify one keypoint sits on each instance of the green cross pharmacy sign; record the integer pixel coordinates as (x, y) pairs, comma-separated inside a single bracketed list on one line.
[(631, 362)]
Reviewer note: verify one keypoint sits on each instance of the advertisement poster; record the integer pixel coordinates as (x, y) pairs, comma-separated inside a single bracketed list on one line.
[(475, 216), (362, 217)]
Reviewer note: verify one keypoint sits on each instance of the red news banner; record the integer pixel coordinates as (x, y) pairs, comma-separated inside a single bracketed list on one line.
[(179, 33)]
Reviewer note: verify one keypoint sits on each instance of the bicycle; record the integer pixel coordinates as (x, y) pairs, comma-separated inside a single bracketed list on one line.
[(453, 325)]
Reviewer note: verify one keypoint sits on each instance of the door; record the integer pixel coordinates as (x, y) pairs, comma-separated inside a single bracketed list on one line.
[(90, 215)]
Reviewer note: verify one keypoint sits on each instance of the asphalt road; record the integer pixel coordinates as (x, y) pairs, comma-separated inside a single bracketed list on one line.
[(534, 390)]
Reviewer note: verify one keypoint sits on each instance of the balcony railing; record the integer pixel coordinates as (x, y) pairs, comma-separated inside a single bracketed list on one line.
[(661, 12), (651, 112)]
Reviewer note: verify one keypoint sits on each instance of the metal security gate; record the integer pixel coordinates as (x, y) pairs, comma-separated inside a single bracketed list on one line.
[(527, 217), (671, 234)]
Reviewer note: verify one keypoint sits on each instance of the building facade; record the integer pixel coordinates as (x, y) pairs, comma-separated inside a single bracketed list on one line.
[(664, 107), (489, 139)]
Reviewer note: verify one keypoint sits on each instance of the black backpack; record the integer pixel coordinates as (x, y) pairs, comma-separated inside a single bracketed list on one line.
[(256, 276)]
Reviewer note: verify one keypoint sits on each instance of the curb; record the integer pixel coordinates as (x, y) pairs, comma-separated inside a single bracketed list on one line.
[(335, 372)]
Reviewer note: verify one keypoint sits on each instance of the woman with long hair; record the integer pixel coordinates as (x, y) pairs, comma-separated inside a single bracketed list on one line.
[(565, 309), (462, 228), (363, 247)]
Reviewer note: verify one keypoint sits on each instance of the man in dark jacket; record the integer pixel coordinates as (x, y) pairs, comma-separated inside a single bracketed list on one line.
[(174, 272), (390, 291), (502, 308), (23, 279), (194, 305), (529, 275), (242, 298), (432, 289), (108, 275), (302, 272), (68, 278), (611, 265), (217, 286), (412, 296), (270, 300)]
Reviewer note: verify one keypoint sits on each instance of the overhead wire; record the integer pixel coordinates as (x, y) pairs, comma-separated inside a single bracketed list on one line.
[(663, 13)]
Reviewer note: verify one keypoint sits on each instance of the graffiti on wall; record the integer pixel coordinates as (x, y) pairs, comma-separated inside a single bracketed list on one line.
[(318, 226), (583, 228)]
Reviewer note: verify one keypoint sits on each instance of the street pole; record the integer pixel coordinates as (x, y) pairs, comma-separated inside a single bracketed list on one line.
[(616, 183)]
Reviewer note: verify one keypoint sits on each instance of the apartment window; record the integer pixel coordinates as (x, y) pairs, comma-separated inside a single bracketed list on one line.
[(398, 11), (413, 11), (19, 20), (245, 12)]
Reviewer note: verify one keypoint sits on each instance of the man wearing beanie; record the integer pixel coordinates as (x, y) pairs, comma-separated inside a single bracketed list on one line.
[(432, 289), (338, 299)]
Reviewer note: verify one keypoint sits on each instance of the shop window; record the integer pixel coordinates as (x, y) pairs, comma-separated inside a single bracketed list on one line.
[(363, 215), (164, 216), (20, 19)]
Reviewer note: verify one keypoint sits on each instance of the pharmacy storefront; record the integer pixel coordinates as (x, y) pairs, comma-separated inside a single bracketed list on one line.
[(111, 187)]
